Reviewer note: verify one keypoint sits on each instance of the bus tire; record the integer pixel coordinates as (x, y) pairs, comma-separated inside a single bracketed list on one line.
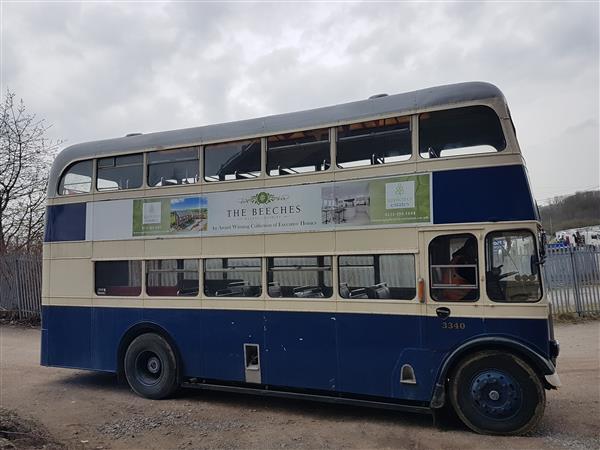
[(151, 367), (495, 392)]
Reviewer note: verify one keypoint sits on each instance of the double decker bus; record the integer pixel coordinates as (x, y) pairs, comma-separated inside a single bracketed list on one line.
[(385, 252)]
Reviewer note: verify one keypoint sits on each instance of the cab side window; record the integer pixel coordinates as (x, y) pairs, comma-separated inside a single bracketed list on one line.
[(453, 274), (512, 267)]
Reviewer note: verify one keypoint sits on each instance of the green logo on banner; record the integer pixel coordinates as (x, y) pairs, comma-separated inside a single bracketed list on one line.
[(263, 198), (400, 200)]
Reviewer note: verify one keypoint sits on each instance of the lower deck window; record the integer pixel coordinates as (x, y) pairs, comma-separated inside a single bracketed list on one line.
[(377, 277), (232, 277), (172, 277), (300, 277), (118, 278), (512, 267), (453, 268)]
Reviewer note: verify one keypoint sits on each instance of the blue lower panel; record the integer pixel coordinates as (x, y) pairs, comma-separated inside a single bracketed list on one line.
[(370, 350), (352, 353), (300, 350), (220, 337), (67, 331)]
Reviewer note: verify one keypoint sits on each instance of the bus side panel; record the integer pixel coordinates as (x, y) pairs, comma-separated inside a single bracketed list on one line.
[(65, 222), (487, 194), (223, 335), (532, 332), (300, 350), (370, 353), (184, 327), (443, 335), (44, 350), (68, 336), (108, 327)]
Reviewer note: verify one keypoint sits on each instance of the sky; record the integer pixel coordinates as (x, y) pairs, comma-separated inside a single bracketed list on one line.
[(97, 70)]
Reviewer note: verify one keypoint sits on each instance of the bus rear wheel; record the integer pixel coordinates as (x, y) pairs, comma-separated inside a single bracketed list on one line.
[(151, 366), (495, 392)]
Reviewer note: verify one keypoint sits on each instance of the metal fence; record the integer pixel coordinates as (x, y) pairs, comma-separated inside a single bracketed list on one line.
[(572, 280), (572, 277), (21, 285)]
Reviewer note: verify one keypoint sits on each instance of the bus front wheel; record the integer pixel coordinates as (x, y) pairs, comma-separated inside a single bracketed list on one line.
[(495, 392), (151, 366)]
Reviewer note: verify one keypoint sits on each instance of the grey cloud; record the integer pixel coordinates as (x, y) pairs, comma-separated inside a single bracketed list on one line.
[(101, 70)]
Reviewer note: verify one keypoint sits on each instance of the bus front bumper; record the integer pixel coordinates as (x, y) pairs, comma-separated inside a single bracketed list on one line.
[(553, 380)]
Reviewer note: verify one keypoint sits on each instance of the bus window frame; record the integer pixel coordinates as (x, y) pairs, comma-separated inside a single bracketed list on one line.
[(262, 159), (259, 270), (331, 268), (142, 185), (199, 155), (378, 254), (413, 133), (332, 151), (536, 253), (142, 286), (65, 172), (477, 267), (509, 140), (146, 273)]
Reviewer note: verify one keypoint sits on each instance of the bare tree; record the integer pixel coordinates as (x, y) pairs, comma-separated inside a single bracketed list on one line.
[(25, 157)]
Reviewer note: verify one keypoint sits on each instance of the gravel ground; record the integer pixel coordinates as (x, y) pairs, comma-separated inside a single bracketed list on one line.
[(86, 410)]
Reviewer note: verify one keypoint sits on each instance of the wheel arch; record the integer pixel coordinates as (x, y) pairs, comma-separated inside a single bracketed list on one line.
[(541, 366), (137, 330)]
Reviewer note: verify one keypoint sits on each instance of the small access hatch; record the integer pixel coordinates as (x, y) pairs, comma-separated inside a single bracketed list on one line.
[(252, 363)]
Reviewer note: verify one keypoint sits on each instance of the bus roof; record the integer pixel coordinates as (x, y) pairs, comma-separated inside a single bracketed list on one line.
[(435, 97)]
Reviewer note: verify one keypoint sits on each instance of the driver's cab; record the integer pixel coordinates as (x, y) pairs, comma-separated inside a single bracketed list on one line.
[(484, 271)]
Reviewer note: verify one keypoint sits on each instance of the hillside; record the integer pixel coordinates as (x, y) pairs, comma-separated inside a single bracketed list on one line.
[(581, 209)]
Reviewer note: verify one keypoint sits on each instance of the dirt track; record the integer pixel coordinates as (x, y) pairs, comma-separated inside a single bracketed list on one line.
[(91, 410)]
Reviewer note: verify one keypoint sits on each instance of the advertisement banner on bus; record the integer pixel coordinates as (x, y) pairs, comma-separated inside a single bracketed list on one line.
[(392, 201)]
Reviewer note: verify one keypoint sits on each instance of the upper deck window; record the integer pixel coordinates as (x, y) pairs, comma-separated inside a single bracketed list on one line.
[(173, 167), (77, 179), (120, 172), (298, 152), (232, 160), (460, 131), (380, 141)]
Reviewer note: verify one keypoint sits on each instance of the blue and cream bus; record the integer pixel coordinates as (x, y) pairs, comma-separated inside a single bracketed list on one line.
[(383, 252)]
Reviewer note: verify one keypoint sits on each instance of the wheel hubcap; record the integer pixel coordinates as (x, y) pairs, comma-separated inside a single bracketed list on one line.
[(153, 365), (148, 368), (496, 394)]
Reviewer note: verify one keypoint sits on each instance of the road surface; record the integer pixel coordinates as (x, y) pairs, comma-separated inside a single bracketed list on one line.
[(91, 410)]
